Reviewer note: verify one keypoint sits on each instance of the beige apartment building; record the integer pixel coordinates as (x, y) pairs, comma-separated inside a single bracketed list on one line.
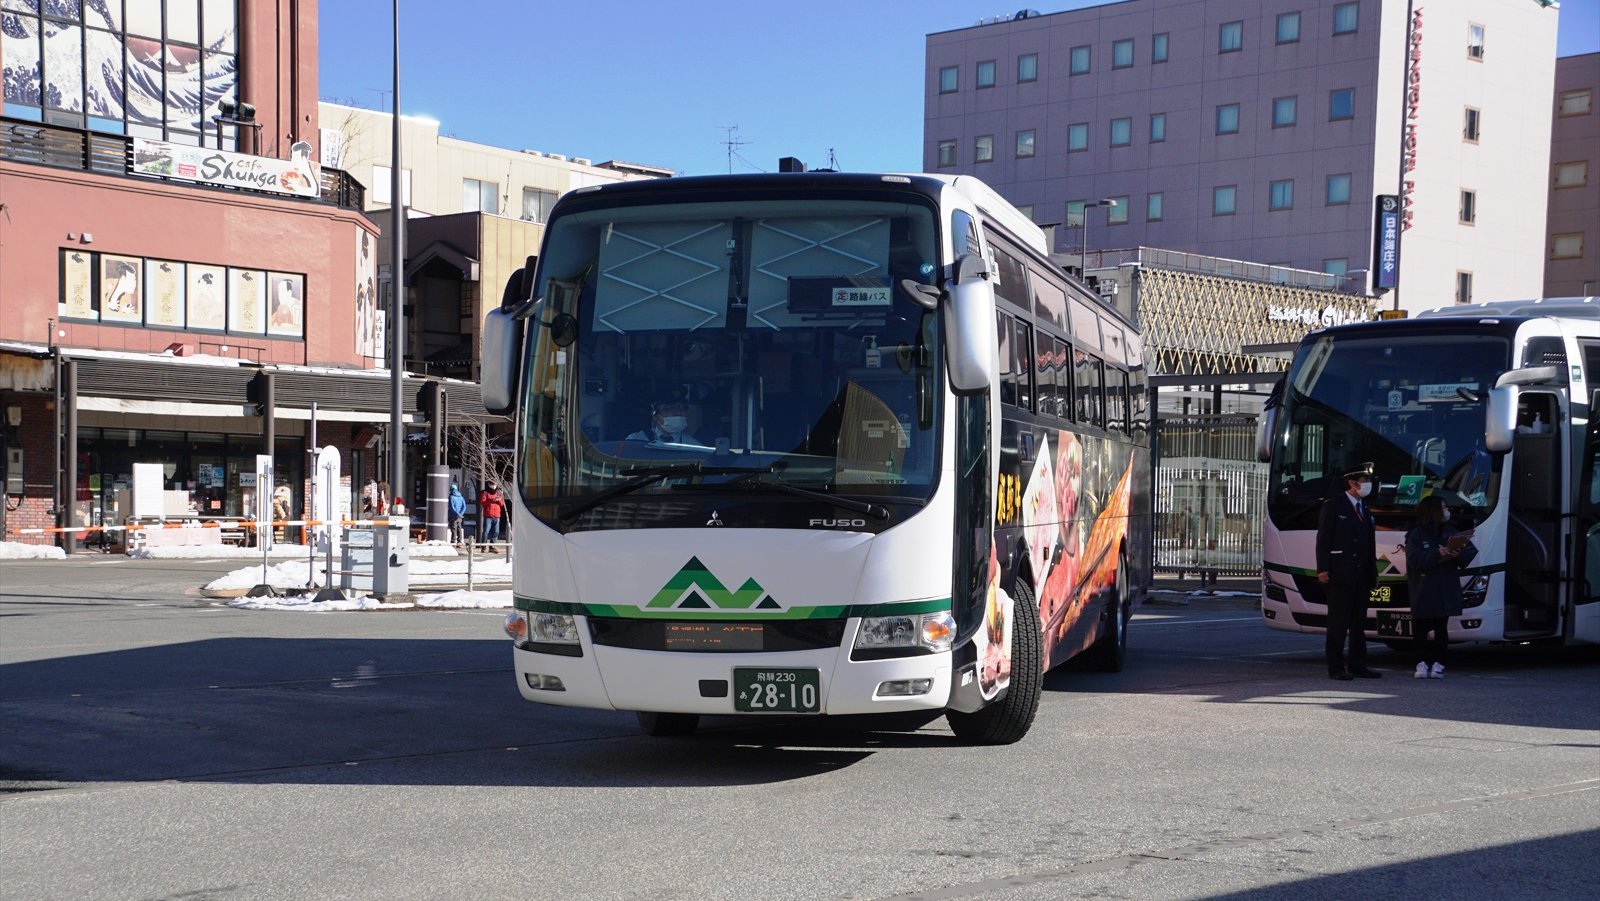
[(1572, 268), (475, 213)]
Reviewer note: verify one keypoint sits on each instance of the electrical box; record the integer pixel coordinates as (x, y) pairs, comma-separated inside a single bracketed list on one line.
[(14, 470)]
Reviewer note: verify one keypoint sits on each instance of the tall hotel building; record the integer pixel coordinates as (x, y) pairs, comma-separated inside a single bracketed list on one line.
[(1263, 130)]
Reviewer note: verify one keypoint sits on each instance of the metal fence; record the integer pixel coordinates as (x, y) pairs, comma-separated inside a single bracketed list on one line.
[(1210, 496)]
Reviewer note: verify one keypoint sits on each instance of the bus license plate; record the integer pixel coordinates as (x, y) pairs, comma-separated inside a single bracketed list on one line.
[(1395, 624), (776, 690)]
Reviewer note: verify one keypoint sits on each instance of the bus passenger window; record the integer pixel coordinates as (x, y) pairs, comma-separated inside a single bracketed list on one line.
[(1024, 368), (1063, 367), (1090, 411), (1008, 359), (1045, 375)]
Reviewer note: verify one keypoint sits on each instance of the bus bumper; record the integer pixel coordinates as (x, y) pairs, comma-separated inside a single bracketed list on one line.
[(674, 682)]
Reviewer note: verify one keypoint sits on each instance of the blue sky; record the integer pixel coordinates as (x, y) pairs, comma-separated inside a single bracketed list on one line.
[(659, 83)]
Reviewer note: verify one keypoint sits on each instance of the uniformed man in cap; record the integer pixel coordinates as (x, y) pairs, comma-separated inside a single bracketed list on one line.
[(1347, 567)]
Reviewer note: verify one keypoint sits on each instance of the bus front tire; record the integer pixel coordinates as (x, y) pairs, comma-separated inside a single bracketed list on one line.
[(663, 725), (1006, 721)]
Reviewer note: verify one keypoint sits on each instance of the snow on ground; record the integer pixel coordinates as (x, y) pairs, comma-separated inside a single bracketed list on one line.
[(449, 600), (223, 551), (423, 573), (17, 550)]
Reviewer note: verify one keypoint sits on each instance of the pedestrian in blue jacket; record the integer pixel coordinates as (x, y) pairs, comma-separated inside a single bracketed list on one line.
[(458, 513)]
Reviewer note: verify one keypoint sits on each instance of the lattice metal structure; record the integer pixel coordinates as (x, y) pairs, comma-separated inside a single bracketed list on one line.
[(1199, 324)]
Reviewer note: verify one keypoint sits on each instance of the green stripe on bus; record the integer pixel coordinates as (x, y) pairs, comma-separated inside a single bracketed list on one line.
[(839, 611)]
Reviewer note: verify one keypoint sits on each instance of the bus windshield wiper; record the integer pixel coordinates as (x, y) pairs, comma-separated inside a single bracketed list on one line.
[(644, 476), (749, 482)]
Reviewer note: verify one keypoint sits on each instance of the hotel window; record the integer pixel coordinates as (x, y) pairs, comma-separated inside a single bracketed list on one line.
[(1222, 200), (1075, 210), (1158, 48), (536, 204), (1077, 137), (1469, 125), (1230, 37), (1281, 195), (947, 153), (1474, 41), (1158, 127), (1341, 104), (1572, 175), (1576, 103), (1026, 209), (1469, 207), (1228, 119), (1340, 266), (1122, 54), (1028, 67), (1117, 213), (1025, 142), (983, 149), (1121, 132), (1152, 207), (1463, 287), (985, 78), (1288, 28), (1283, 111), (1345, 18), (949, 79), (1338, 189), (1078, 61), (479, 196), (1566, 246)]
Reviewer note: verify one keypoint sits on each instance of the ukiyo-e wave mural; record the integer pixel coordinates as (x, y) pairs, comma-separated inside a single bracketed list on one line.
[(131, 67)]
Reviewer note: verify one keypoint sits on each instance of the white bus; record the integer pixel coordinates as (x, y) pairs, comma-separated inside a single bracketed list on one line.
[(814, 444), (1495, 408)]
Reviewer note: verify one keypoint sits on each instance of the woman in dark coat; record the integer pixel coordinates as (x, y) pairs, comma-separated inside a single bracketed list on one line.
[(1433, 572)]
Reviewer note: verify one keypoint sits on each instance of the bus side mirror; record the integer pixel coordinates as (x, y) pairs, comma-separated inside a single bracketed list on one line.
[(1266, 428), (970, 351), (501, 356), (1500, 419)]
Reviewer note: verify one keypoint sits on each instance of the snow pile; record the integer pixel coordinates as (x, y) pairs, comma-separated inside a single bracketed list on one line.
[(293, 574), (434, 549), (16, 550), (423, 573), (215, 552), (450, 600)]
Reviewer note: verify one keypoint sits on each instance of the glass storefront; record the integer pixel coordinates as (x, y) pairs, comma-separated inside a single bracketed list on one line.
[(214, 470)]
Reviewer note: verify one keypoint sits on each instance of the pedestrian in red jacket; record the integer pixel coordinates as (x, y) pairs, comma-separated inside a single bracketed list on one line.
[(491, 506)]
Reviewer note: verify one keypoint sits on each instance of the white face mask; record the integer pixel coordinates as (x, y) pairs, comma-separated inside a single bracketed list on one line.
[(674, 425), (1365, 489)]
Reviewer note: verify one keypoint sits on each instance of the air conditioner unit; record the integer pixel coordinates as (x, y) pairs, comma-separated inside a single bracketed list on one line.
[(555, 156), (583, 161), (1107, 288)]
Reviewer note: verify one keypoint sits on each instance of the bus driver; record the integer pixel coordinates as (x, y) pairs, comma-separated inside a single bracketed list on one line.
[(669, 424)]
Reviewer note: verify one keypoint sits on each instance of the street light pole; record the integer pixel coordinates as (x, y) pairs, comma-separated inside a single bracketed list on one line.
[(397, 293), (1083, 232)]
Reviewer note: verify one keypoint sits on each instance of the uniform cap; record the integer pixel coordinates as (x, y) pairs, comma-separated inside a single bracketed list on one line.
[(1361, 471)]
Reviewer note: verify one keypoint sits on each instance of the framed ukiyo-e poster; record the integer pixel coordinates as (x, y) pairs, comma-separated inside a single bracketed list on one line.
[(207, 298), (286, 305), (163, 288), (77, 285), (121, 289), (247, 301)]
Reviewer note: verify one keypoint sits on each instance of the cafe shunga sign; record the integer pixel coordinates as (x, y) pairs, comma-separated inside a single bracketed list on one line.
[(299, 176)]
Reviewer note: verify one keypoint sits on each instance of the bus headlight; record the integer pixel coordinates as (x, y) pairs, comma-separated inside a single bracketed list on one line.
[(1474, 592), (934, 631), (552, 628)]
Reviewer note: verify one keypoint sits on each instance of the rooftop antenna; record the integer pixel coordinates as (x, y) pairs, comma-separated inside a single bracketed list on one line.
[(731, 143), (383, 98), (833, 161)]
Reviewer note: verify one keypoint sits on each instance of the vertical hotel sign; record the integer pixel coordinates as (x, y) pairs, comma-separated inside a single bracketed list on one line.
[(1386, 253), (1413, 101)]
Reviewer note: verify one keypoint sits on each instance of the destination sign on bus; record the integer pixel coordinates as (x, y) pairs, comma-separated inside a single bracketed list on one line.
[(1443, 392)]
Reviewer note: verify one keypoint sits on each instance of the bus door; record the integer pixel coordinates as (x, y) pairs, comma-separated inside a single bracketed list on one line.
[(1587, 589), (1533, 537)]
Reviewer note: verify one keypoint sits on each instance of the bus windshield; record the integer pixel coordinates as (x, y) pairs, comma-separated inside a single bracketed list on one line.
[(766, 334), (1412, 405)]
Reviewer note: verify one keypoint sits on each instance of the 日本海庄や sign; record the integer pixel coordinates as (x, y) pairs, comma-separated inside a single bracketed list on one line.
[(1386, 252), (298, 177)]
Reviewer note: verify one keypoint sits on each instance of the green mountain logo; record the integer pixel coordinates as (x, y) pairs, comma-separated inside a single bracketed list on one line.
[(694, 588)]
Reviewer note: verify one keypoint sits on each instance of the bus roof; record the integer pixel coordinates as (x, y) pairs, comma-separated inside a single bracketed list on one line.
[(1569, 307)]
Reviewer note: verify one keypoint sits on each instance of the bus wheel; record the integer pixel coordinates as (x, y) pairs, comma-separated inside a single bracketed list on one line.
[(1007, 720), (667, 724), (1110, 651)]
